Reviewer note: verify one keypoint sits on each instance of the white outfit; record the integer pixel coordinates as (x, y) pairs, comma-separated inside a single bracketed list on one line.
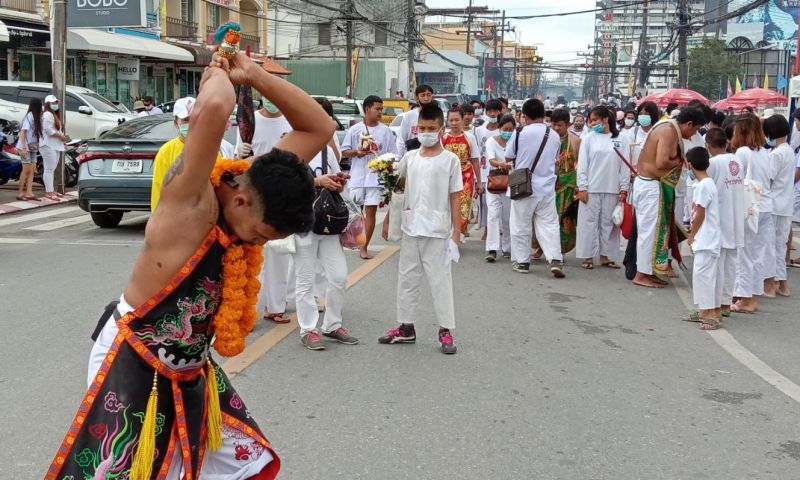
[(604, 175), (756, 260), (30, 132), (498, 231), (783, 161), (408, 130), (50, 147), (427, 228), (796, 217), (728, 174), (683, 190), (267, 133), (706, 246), (216, 464), (364, 185), (635, 138), (541, 206), (226, 149), (646, 201), (326, 251)]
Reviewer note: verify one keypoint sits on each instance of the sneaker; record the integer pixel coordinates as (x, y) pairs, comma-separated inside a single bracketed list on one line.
[(312, 341), (521, 267), (405, 333), (491, 256), (506, 255), (555, 269), (341, 335), (446, 342)]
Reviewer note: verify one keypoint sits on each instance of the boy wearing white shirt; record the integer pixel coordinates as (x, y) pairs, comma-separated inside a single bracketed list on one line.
[(408, 124), (364, 141), (728, 174), (705, 241), (431, 219)]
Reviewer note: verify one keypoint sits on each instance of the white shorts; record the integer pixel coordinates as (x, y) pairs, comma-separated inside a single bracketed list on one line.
[(367, 196)]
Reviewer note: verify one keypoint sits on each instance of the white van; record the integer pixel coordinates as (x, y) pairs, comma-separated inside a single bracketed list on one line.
[(88, 114)]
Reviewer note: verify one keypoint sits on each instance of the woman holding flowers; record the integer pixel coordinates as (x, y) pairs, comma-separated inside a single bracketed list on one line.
[(467, 152)]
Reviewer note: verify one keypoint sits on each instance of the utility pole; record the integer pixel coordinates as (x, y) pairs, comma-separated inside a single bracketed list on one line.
[(469, 25), (613, 68), (502, 49), (349, 33), (59, 54), (410, 38), (683, 32), (641, 61)]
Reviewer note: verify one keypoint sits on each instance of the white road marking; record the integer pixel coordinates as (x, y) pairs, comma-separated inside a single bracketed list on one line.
[(88, 242), (56, 224), (739, 352), (18, 241), (22, 218)]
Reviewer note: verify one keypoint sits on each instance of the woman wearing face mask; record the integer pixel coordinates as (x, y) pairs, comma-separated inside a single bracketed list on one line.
[(647, 116), (629, 121), (577, 128), (603, 181), (51, 144), (466, 148), (498, 233)]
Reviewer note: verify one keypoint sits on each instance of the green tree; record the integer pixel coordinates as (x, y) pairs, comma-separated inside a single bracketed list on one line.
[(711, 65)]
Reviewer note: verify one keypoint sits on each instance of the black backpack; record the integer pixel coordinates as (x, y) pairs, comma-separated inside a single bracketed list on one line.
[(330, 212)]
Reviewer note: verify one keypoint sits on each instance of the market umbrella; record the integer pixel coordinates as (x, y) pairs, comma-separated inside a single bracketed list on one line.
[(752, 97), (681, 96)]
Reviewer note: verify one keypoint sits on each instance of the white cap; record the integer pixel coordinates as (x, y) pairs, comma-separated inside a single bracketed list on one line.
[(769, 112), (50, 99), (183, 107), (674, 113)]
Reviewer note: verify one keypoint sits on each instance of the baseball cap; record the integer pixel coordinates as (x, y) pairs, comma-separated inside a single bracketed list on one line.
[(183, 107), (50, 99)]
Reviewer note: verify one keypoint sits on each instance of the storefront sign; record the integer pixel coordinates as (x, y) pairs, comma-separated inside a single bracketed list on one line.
[(159, 70), (106, 13), (128, 69)]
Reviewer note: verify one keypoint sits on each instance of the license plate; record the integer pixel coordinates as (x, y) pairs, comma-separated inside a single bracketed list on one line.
[(126, 166)]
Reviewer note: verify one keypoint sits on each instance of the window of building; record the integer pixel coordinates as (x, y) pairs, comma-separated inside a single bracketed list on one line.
[(187, 10), (213, 16), (381, 35), (324, 33)]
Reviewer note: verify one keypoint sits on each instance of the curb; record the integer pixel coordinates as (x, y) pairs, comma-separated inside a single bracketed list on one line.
[(20, 205)]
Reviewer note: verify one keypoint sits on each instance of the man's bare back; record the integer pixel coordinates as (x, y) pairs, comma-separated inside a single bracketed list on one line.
[(661, 152)]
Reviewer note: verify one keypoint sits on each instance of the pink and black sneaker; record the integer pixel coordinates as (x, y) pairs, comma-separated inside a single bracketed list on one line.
[(446, 342), (405, 333)]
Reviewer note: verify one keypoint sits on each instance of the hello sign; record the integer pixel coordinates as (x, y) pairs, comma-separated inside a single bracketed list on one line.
[(106, 13)]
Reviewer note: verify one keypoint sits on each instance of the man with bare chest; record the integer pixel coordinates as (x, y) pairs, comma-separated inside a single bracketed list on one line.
[(659, 170)]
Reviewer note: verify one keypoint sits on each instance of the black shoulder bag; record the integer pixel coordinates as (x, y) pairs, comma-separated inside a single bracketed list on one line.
[(330, 211), (520, 179)]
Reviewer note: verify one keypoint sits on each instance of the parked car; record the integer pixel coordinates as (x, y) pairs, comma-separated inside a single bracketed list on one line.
[(349, 112), (393, 108), (395, 125), (452, 98), (89, 115), (116, 170)]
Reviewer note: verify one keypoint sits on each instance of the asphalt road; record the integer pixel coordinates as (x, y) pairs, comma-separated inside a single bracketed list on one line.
[(582, 378)]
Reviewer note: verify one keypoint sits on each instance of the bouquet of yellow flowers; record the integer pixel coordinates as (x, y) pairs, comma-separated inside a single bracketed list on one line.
[(386, 166)]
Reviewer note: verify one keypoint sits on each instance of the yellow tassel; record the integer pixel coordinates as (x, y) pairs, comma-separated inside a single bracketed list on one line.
[(214, 414), (142, 466)]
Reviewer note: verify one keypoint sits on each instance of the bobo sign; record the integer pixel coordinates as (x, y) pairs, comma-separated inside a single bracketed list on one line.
[(106, 13)]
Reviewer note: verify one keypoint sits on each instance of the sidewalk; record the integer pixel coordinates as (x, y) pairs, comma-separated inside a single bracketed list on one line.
[(9, 203)]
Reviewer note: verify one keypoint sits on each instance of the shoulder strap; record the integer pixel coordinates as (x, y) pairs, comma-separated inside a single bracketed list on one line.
[(516, 144), (541, 149), (625, 161), (325, 160)]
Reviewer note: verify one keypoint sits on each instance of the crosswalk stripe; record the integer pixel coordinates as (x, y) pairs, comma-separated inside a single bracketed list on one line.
[(27, 217), (67, 222)]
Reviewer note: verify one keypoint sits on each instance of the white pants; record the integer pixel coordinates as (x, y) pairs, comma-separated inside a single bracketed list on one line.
[(597, 234), (704, 279), (680, 197), (418, 256), (726, 275), (646, 200), (796, 216), (545, 219), (782, 227), (687, 204), (277, 280), (325, 251), (498, 216), (756, 259), (219, 464), (483, 208), (49, 164)]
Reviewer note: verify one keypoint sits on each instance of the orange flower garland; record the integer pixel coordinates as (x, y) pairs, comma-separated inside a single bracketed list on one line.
[(241, 267)]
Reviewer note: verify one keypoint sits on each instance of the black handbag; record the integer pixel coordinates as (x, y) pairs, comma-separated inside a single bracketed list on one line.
[(330, 212), (520, 179)]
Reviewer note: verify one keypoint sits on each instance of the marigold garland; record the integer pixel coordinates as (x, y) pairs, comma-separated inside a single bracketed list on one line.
[(241, 266)]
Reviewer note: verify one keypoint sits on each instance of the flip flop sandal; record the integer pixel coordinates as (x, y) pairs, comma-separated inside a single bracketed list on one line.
[(21, 198), (33, 197), (735, 309), (612, 265), (709, 324), (694, 316), (587, 265), (793, 263), (726, 314), (277, 317)]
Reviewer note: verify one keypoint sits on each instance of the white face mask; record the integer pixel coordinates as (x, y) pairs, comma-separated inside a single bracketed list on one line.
[(428, 139), (629, 122), (491, 119)]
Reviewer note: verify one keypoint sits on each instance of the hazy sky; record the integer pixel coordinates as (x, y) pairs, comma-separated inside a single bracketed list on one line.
[(560, 37)]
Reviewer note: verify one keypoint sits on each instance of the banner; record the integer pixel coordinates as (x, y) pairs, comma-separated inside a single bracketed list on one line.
[(106, 13)]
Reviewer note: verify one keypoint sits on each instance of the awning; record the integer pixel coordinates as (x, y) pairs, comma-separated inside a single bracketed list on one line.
[(99, 41), (4, 37), (202, 55), (271, 65)]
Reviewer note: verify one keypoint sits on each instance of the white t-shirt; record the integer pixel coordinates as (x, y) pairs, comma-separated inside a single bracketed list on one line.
[(530, 139), (30, 134), (797, 184), (783, 164), (495, 151), (268, 132), (316, 163), (728, 174), (408, 130), (226, 149), (429, 183), (705, 195), (635, 137), (360, 175), (762, 172), (482, 134), (695, 141), (48, 131), (600, 170)]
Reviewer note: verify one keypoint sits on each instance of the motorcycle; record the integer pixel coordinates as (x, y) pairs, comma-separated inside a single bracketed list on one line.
[(11, 164)]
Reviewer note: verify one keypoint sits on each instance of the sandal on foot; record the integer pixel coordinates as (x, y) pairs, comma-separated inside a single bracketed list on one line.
[(737, 309), (694, 316), (587, 265), (612, 265), (725, 313), (277, 317), (21, 198), (33, 197), (709, 324)]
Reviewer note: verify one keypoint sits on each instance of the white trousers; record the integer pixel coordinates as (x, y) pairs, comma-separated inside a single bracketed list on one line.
[(796, 215), (542, 210), (498, 231), (325, 251), (49, 164), (418, 256), (482, 207), (726, 275), (597, 234), (646, 199), (680, 197), (704, 279), (782, 227), (756, 260), (277, 280)]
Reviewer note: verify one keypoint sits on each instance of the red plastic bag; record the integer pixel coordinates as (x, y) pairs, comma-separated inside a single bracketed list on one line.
[(627, 220)]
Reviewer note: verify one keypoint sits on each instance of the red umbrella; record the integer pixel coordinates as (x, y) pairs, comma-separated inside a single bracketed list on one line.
[(752, 97), (681, 96)]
